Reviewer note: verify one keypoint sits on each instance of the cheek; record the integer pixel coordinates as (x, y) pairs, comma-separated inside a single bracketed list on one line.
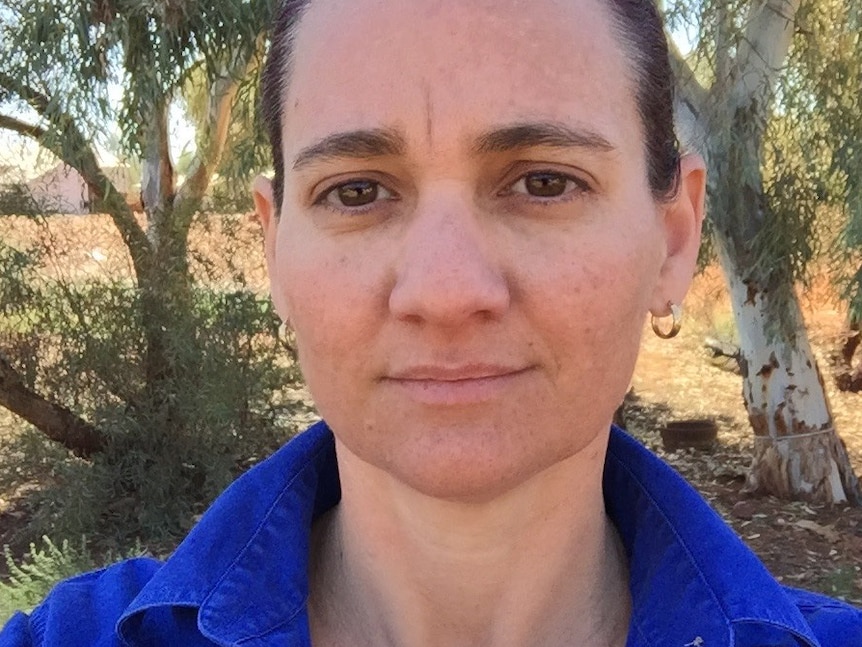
[(598, 272), (332, 301), (593, 299)]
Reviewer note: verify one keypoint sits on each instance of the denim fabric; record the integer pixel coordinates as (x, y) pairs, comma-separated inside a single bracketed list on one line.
[(239, 578)]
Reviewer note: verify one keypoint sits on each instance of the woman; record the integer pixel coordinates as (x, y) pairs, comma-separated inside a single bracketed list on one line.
[(475, 206)]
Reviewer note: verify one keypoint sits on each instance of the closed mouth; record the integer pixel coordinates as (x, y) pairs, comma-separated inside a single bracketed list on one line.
[(429, 373), (458, 386)]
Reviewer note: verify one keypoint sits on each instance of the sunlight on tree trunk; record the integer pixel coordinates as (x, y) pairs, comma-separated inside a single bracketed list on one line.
[(797, 452)]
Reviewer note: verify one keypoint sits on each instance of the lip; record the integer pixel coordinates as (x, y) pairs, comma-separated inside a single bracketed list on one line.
[(456, 385)]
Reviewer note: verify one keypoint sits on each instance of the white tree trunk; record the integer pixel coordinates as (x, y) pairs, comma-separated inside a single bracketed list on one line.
[(797, 454)]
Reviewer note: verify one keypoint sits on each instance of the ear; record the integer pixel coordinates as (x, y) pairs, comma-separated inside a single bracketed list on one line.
[(267, 213), (683, 221)]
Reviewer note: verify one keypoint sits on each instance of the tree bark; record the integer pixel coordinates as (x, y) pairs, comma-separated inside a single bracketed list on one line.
[(849, 377), (797, 454), (157, 173), (55, 421)]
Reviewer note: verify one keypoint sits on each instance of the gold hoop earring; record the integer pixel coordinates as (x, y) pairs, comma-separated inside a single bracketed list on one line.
[(676, 313)]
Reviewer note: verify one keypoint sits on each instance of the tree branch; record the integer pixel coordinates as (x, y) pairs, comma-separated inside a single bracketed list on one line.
[(20, 127), (55, 421), (692, 103), (689, 88), (73, 149), (211, 143), (724, 44), (764, 48), (157, 188)]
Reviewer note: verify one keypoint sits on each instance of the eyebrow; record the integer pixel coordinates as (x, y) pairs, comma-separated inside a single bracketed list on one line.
[(540, 133), (355, 144), (379, 142)]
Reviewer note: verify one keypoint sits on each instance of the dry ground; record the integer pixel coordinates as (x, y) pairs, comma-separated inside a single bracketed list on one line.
[(804, 545)]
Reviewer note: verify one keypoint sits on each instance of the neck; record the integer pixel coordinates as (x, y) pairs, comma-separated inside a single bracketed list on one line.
[(540, 565)]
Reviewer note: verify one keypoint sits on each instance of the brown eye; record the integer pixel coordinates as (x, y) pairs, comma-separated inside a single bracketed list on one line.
[(549, 185), (546, 185), (355, 194)]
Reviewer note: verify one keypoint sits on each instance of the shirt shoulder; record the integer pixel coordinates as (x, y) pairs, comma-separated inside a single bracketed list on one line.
[(835, 623), (683, 556), (82, 610)]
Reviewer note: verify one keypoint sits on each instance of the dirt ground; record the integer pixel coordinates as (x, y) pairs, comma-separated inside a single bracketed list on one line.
[(804, 545)]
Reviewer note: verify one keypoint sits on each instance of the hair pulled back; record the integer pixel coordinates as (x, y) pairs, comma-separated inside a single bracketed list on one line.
[(639, 27)]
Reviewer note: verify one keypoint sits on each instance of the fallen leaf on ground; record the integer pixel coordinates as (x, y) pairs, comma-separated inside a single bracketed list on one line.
[(824, 531)]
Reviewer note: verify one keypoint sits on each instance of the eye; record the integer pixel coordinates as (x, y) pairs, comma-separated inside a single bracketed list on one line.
[(355, 193), (548, 184)]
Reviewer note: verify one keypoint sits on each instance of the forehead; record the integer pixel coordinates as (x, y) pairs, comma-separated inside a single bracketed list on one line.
[(450, 67)]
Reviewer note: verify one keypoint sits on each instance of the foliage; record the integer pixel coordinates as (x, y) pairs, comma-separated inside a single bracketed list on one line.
[(42, 567), (246, 138), (821, 124), (147, 48), (79, 340), (168, 368), (16, 200)]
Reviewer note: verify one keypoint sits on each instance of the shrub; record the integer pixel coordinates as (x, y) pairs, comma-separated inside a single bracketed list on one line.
[(77, 339), (46, 564)]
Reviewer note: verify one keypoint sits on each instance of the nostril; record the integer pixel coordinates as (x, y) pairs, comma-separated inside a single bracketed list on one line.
[(451, 294)]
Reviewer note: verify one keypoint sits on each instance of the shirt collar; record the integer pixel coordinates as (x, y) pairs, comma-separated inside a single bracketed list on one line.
[(693, 581), (268, 511), (691, 577)]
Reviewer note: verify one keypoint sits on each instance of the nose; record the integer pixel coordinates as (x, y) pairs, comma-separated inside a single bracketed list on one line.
[(449, 270)]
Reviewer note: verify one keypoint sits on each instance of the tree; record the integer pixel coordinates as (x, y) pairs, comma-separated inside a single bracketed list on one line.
[(157, 368), (741, 90), (150, 49), (834, 84)]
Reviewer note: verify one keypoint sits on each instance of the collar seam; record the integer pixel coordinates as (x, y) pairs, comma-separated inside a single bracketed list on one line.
[(729, 621), (228, 571), (645, 491), (778, 625)]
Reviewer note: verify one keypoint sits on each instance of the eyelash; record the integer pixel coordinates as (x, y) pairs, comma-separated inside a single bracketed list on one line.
[(323, 199), (580, 187)]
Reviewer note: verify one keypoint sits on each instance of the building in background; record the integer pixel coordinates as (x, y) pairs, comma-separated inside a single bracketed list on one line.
[(61, 189)]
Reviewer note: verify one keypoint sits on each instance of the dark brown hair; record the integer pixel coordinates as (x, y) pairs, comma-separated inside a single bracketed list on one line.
[(640, 28)]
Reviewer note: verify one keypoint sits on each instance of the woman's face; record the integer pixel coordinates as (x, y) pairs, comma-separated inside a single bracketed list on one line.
[(468, 245)]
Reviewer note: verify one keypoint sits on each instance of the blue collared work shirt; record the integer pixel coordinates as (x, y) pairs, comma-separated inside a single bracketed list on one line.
[(240, 578)]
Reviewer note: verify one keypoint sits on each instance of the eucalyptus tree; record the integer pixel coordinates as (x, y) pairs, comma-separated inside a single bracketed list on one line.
[(763, 93), (64, 65), (832, 89)]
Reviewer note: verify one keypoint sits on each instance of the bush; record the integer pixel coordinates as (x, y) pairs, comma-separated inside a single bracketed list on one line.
[(150, 481), (16, 200), (45, 565), (78, 339)]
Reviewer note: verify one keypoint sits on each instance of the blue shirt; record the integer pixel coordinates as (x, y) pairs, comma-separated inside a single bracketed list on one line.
[(239, 578)]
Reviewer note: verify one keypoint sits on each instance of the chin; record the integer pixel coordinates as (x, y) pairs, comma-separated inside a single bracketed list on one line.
[(463, 483), (475, 470), (471, 455)]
